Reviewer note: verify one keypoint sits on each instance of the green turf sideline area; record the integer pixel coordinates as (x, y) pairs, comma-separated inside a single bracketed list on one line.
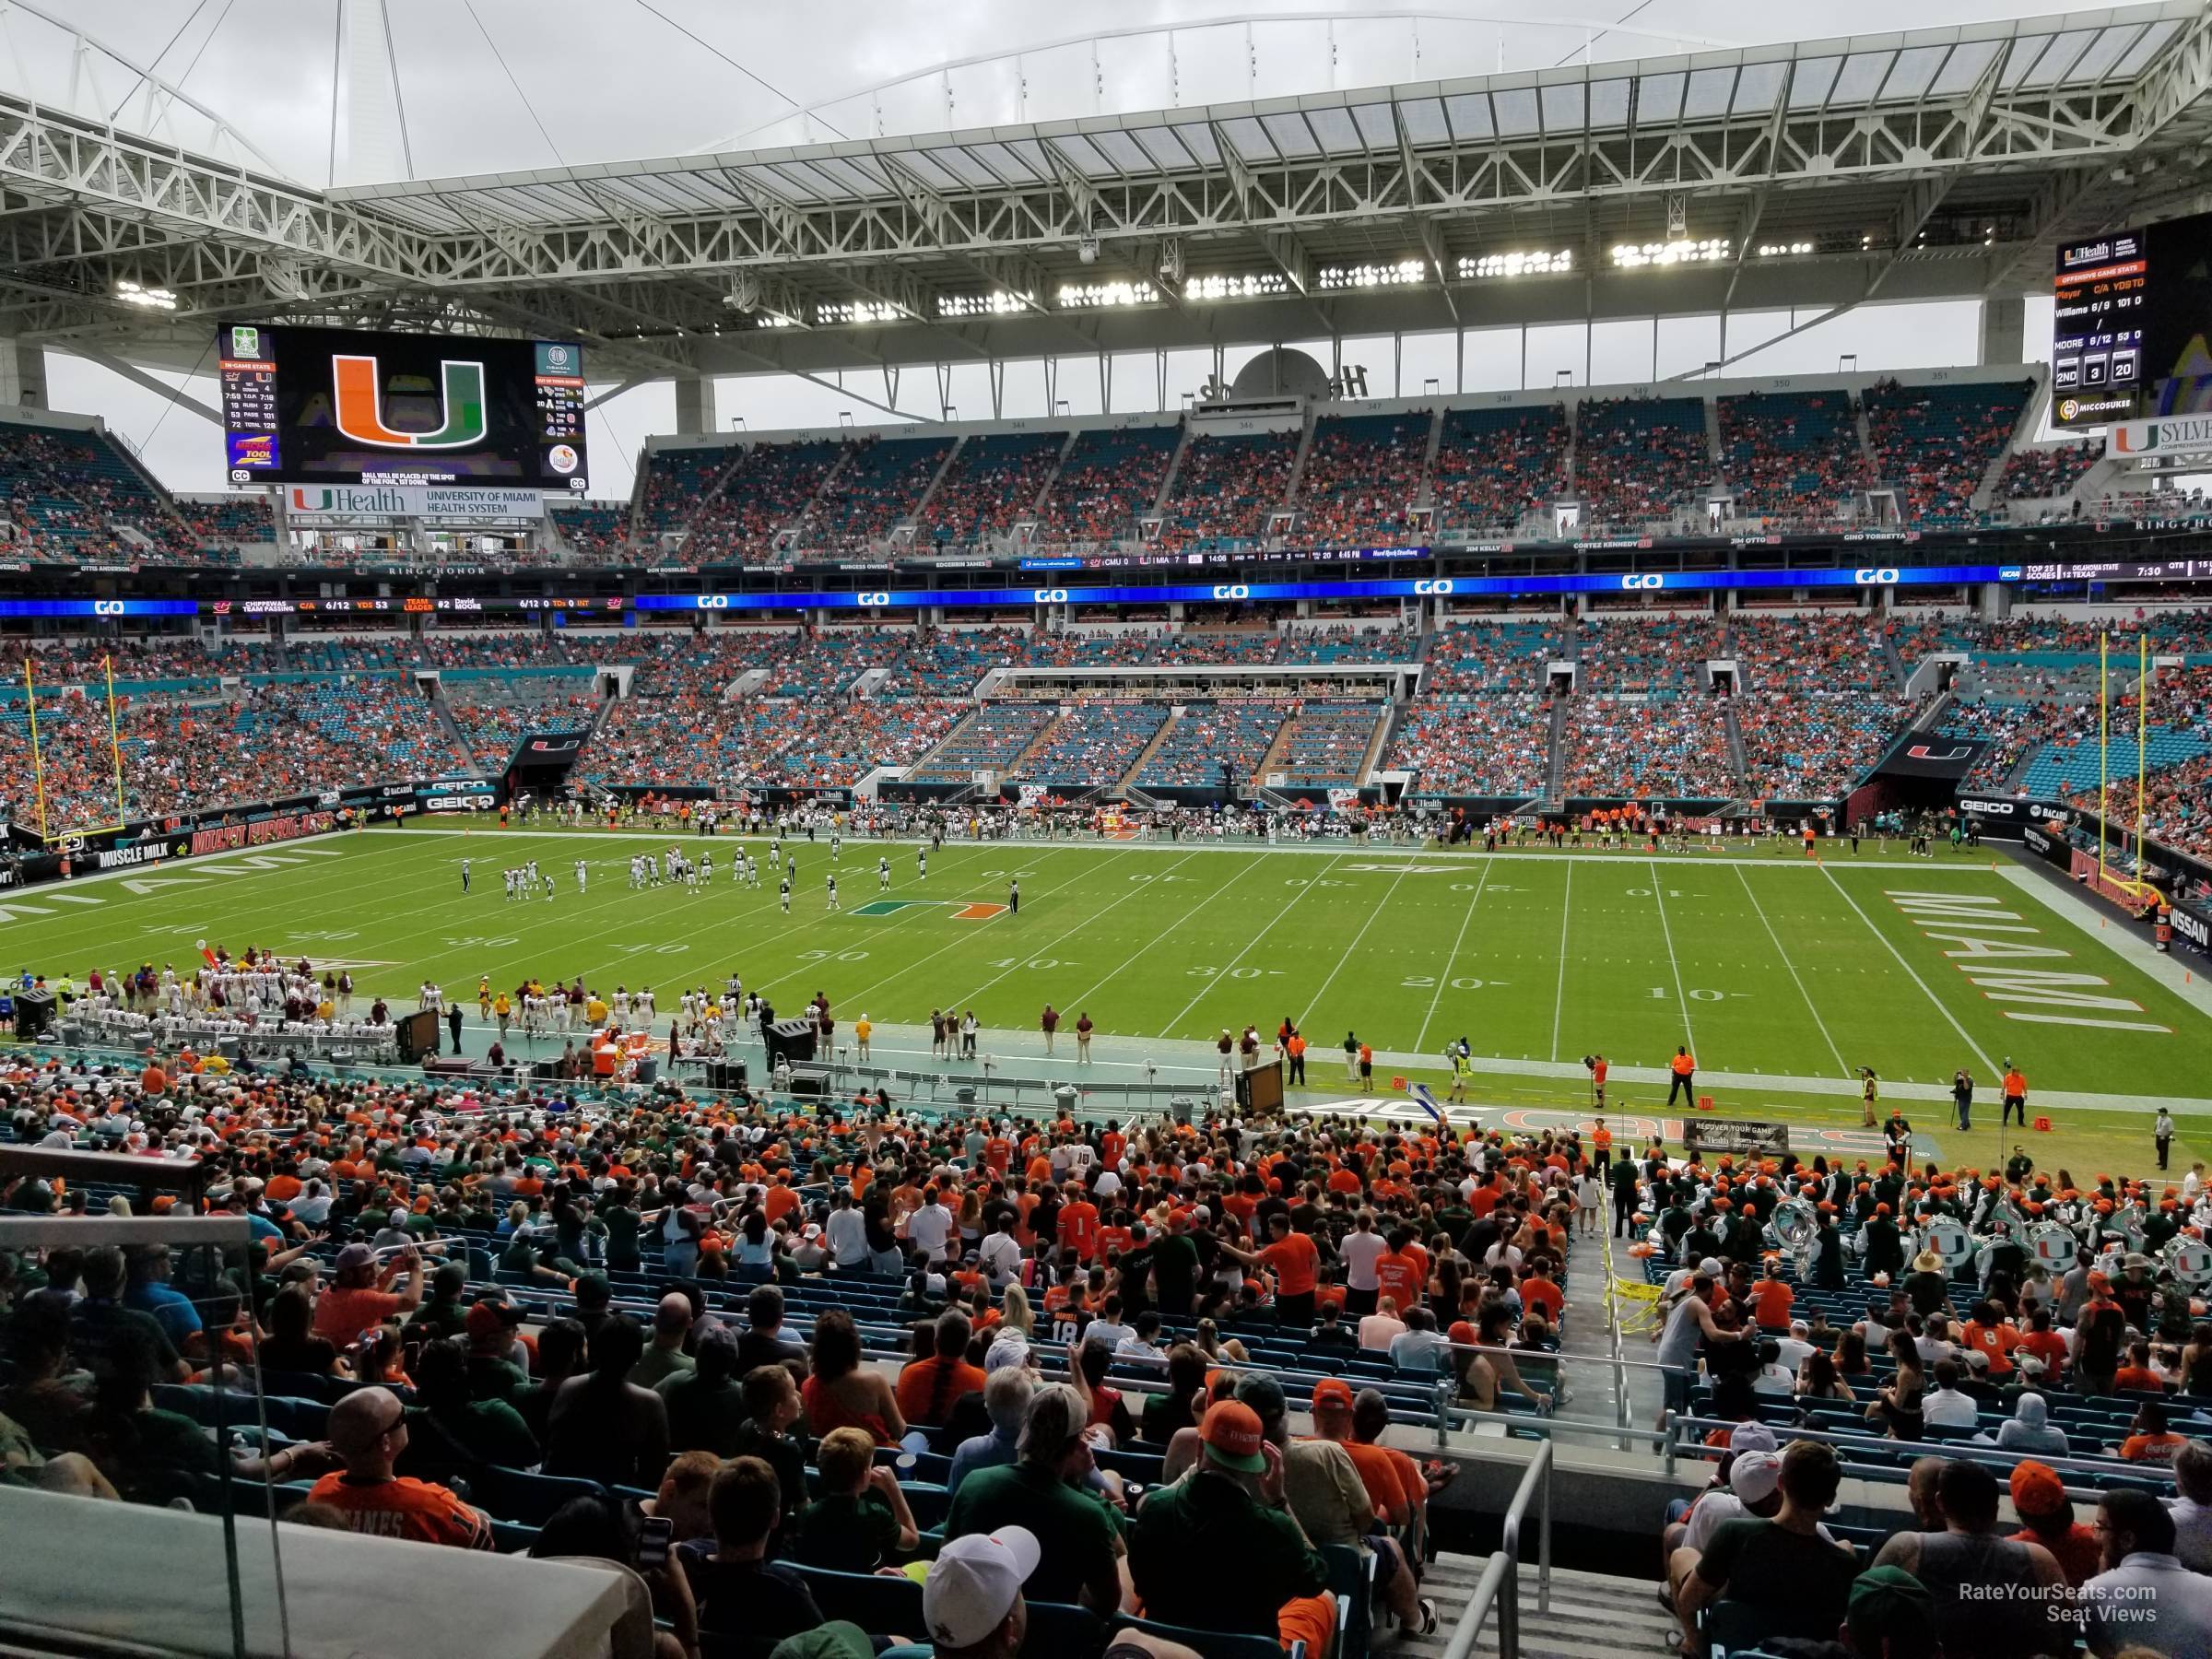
[(1770, 966)]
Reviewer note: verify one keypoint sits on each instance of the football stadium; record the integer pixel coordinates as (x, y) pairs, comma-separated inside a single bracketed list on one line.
[(1297, 833)]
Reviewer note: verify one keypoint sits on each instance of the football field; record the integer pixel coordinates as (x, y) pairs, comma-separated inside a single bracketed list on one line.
[(1770, 968)]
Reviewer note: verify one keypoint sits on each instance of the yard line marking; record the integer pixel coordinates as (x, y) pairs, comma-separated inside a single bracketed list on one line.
[(1255, 938), (1786, 962), (1559, 995), (1893, 950), (1421, 1042), (1659, 898), (1314, 1001), (1053, 943), (1132, 959)]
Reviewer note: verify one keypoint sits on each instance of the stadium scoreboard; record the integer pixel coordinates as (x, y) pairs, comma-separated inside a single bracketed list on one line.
[(2129, 323), (337, 407)]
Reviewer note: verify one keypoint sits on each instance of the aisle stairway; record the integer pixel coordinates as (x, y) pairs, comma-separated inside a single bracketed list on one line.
[(1593, 1615)]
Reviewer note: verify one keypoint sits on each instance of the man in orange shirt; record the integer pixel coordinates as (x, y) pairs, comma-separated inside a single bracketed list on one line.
[(1772, 1300), (2044, 1344), (369, 1429), (358, 1299), (781, 1200), (1540, 1294), (1684, 1066), (1295, 1047), (1295, 1260), (1080, 1222), (1399, 1274), (1989, 1332), (2015, 1096)]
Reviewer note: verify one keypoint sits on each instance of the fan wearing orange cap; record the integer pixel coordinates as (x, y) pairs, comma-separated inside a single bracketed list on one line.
[(2039, 1498), (1220, 1550)]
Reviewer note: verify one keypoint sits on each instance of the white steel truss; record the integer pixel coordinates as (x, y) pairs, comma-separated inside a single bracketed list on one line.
[(1938, 162)]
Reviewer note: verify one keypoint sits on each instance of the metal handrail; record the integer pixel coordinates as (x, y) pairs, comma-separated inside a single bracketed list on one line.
[(1500, 1583)]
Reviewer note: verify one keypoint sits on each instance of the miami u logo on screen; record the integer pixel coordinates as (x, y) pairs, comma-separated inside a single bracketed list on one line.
[(360, 401)]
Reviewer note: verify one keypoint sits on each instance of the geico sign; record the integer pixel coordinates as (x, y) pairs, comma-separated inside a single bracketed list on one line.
[(1989, 808), (1875, 576), (1440, 585), (1049, 596), (1232, 590), (1650, 579)]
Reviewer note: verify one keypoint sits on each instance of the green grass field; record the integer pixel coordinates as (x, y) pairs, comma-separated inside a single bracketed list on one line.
[(1783, 976)]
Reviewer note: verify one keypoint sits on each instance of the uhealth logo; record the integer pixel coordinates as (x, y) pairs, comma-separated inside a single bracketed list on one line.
[(358, 397)]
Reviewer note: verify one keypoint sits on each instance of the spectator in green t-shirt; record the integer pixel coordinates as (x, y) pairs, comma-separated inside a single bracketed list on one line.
[(861, 1520), (1042, 1492)]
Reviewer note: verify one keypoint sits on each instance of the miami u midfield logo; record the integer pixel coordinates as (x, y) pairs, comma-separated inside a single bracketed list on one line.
[(360, 400)]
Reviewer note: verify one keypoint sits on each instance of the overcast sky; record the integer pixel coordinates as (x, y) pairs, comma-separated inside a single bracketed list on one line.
[(491, 85)]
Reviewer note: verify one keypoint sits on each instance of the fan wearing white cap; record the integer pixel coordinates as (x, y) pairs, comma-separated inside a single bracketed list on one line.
[(971, 1600)]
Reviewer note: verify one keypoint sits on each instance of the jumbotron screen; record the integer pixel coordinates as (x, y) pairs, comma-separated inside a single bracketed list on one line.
[(327, 406), (2128, 335)]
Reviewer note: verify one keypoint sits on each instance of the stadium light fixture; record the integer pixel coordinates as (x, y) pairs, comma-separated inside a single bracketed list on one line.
[(1088, 249), (999, 302), (1250, 285), (143, 297), (1403, 273), (1710, 250), (833, 311), (1784, 250), (1519, 263), (1103, 296)]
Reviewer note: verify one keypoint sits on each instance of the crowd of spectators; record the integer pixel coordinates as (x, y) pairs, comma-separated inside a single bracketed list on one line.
[(485, 1320), (1466, 657), (1206, 738), (229, 524), (1653, 748), (1655, 653), (1934, 444), (1812, 744), (1495, 465), (1637, 460), (1325, 744), (1111, 477), (992, 484), (765, 487), (1362, 478), (67, 496), (876, 490), (834, 742), (2044, 472), (1093, 744), (1470, 745), (1791, 458), (597, 533), (492, 714), (991, 739), (1226, 488), (1810, 650)]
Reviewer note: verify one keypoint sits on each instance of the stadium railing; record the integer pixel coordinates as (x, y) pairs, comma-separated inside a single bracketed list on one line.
[(1499, 1586)]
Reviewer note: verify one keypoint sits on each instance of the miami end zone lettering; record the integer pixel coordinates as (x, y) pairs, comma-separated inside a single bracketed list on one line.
[(228, 838)]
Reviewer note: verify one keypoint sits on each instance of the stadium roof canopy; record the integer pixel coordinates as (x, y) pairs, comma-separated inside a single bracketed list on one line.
[(1937, 164)]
